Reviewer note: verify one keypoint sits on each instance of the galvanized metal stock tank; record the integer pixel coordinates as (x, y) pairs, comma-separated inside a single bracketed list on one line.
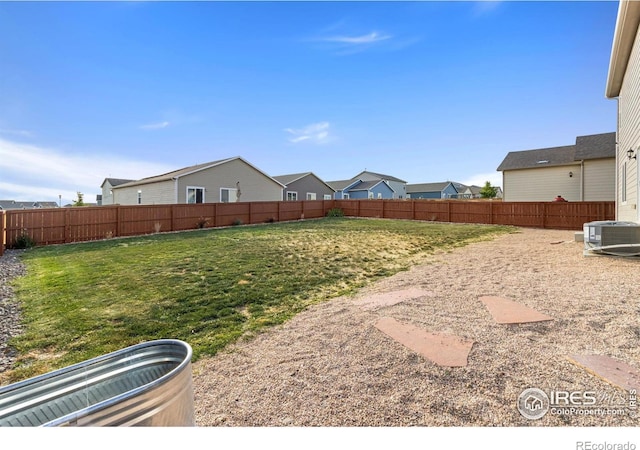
[(148, 384)]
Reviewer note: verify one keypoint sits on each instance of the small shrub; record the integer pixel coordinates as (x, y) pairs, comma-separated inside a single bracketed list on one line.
[(202, 222), (237, 222), (157, 226), (335, 212), (24, 241), (270, 220)]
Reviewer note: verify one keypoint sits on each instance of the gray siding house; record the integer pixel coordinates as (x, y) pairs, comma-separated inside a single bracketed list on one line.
[(623, 83), (224, 181), (445, 189), (305, 186), (398, 186), (581, 172), (107, 189)]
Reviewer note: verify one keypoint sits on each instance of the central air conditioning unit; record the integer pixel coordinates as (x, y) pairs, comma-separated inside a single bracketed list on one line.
[(612, 238)]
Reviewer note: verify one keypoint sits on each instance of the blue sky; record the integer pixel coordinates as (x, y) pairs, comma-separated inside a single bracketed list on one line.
[(424, 91)]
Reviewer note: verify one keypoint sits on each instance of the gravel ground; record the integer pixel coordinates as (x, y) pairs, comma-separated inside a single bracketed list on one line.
[(10, 267), (329, 366)]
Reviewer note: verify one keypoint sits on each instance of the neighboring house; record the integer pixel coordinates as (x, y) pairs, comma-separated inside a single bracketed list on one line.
[(581, 172), (396, 184), (224, 181), (445, 189), (305, 186), (623, 83), (359, 189), (6, 205), (107, 189), (469, 192)]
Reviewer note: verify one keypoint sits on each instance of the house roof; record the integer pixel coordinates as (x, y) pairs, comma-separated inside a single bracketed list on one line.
[(593, 146), (367, 185), (12, 204), (427, 187), (339, 185), (378, 175), (189, 170), (291, 178), (623, 39), (543, 157), (115, 181), (596, 146)]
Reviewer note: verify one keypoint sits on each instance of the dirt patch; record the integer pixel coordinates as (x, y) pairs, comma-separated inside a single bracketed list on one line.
[(330, 365)]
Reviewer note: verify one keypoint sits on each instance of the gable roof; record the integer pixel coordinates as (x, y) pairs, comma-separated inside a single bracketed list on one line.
[(593, 146), (367, 185), (12, 204), (115, 181), (379, 175), (292, 178), (428, 187), (339, 185), (596, 146), (174, 175)]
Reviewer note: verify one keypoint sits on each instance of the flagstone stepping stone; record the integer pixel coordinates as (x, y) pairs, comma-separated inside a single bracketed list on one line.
[(442, 349), (507, 311), (611, 370), (390, 298)]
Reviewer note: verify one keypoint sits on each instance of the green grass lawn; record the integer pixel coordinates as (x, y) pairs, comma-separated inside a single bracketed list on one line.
[(206, 287)]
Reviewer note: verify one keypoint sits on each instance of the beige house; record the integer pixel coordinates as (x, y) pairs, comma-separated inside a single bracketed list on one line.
[(581, 172), (224, 181), (623, 83)]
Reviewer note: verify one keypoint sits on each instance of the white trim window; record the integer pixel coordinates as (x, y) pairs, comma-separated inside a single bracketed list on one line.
[(328, 197), (195, 194), (311, 195), (370, 195), (345, 196), (139, 197), (292, 196), (228, 195)]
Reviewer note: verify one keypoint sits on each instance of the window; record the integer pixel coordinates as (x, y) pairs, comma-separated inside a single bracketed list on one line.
[(327, 196), (195, 194), (292, 196), (623, 182), (228, 195), (139, 197), (379, 194), (370, 194), (311, 195), (345, 196)]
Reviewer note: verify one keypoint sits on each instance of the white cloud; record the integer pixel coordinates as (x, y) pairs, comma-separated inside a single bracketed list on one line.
[(317, 133), (495, 178), (34, 173), (359, 40), (25, 133), (155, 126)]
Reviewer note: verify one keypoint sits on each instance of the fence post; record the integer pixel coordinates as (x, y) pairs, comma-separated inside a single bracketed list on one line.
[(491, 212), (545, 211), (3, 231), (172, 216), (448, 211), (118, 220), (67, 225)]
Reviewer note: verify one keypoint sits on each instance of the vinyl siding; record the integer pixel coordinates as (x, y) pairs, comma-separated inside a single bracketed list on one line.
[(309, 184), (160, 193), (254, 186), (600, 180), (629, 135), (541, 185)]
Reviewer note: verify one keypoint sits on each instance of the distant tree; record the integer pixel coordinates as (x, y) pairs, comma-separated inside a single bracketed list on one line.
[(488, 191), (80, 200)]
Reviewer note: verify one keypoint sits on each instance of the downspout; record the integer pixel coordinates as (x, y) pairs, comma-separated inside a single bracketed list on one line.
[(582, 180), (175, 190)]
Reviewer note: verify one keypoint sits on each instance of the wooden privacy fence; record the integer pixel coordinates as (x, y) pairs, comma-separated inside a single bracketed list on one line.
[(65, 225)]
